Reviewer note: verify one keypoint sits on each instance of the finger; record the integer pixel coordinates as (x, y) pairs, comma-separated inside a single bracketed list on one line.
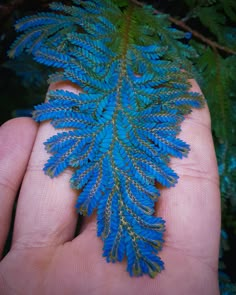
[(17, 138), (192, 208), (46, 212)]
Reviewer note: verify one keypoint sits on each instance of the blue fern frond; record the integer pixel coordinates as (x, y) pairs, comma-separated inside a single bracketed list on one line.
[(123, 128)]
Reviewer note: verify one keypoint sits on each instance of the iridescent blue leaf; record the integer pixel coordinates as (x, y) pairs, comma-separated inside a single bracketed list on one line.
[(121, 128)]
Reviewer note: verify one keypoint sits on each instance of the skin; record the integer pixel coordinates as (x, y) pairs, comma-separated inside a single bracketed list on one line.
[(47, 258)]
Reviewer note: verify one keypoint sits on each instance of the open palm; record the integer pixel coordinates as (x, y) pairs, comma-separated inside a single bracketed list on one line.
[(46, 257)]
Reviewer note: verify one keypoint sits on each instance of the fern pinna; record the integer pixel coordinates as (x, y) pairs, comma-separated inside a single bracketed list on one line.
[(122, 129)]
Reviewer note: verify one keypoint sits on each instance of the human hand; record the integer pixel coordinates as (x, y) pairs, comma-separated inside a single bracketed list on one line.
[(46, 257)]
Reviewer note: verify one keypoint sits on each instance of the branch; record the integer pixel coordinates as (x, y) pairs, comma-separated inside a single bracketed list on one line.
[(199, 36), (196, 34)]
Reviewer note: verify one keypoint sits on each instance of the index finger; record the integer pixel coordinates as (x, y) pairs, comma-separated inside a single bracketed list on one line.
[(45, 212)]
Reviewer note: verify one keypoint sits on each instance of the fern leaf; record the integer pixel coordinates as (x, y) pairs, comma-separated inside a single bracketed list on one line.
[(229, 7), (221, 72), (212, 19), (126, 121)]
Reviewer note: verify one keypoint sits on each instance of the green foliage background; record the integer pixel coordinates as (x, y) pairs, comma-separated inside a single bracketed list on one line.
[(210, 27)]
